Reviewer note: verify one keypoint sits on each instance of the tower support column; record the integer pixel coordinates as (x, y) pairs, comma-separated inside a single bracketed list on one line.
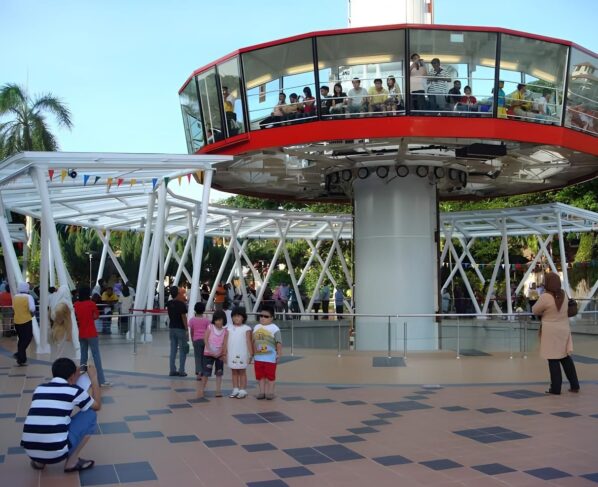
[(395, 261)]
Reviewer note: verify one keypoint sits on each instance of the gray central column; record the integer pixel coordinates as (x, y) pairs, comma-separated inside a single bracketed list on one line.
[(395, 260)]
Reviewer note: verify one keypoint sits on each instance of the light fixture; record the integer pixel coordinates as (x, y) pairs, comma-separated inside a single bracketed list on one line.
[(439, 172), (382, 171), (346, 175), (463, 178), (72, 173), (369, 59), (444, 58), (422, 171), (363, 172), (402, 171), (303, 68), (334, 178), (543, 75), (453, 174), (261, 80)]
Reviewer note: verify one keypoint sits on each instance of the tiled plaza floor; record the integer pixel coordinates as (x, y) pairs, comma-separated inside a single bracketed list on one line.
[(152, 431)]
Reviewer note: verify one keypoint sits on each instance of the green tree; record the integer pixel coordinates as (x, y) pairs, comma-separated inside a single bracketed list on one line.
[(23, 122)]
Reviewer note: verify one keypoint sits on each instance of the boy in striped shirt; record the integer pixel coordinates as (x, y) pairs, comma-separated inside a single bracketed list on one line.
[(50, 433)]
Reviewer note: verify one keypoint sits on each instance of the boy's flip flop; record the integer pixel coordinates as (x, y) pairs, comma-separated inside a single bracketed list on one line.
[(37, 466), (81, 464)]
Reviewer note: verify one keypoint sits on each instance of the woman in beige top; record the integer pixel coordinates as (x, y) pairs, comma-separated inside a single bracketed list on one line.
[(556, 344)]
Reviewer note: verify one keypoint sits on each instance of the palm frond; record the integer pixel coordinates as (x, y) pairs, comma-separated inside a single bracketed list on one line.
[(11, 97), (54, 105), (42, 138)]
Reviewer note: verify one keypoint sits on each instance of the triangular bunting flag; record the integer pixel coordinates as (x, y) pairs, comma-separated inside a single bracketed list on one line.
[(166, 181), (51, 174), (179, 178), (154, 182), (199, 175), (108, 184), (133, 181), (85, 179), (189, 177), (62, 175), (119, 181), (97, 178)]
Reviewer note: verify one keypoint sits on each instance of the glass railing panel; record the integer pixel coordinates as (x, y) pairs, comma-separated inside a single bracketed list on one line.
[(189, 100), (452, 73), (349, 66), (230, 83), (582, 93), (275, 71), (210, 103), (533, 74)]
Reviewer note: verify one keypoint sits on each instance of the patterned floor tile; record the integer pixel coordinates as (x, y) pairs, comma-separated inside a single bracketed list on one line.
[(289, 472), (134, 472), (548, 473)]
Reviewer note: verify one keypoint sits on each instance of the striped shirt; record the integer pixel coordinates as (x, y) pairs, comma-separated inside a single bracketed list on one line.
[(438, 82), (46, 428)]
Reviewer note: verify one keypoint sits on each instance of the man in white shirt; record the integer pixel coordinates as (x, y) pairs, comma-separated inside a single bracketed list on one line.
[(358, 97)]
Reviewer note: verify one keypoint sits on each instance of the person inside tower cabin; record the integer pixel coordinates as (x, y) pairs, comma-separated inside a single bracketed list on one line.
[(377, 96)]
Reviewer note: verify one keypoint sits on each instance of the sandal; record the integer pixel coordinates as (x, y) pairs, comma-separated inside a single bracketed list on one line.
[(218, 394), (37, 466), (81, 465)]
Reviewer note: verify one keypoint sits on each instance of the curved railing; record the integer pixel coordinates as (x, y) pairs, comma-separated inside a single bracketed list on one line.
[(393, 71)]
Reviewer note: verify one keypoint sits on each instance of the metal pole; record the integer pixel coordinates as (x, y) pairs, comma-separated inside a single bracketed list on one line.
[(510, 337), (458, 337), (389, 355), (339, 338), (293, 337), (405, 340)]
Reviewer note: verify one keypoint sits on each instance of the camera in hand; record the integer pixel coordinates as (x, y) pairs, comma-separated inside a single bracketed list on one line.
[(83, 368)]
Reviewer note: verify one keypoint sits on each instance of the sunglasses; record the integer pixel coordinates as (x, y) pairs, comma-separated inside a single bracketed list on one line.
[(265, 316)]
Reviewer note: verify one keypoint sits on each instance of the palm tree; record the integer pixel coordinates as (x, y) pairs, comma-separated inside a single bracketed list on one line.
[(27, 128)]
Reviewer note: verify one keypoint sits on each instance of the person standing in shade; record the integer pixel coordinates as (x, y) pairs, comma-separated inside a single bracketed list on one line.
[(325, 295), (556, 344), (198, 326), (267, 349), (317, 304), (339, 302), (6, 309), (177, 322), (23, 307), (86, 312)]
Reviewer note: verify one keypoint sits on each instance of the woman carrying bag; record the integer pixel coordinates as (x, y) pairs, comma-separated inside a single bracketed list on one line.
[(556, 344)]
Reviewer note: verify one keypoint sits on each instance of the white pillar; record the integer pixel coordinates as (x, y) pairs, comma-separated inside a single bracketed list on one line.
[(106, 241), (44, 269), (505, 242), (199, 238), (48, 219), (566, 285), (395, 259), (157, 243), (102, 261), (140, 296), (51, 267)]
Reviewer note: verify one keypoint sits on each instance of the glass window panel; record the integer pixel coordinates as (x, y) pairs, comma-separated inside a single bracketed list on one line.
[(230, 81), (210, 104), (533, 74), (582, 94), (367, 56), (465, 60), (272, 75), (191, 117)]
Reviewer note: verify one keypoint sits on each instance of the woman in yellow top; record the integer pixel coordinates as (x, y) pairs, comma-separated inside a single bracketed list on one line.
[(23, 309)]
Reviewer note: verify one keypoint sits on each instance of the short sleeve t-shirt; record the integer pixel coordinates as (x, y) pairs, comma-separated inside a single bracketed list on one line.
[(198, 327), (265, 339), (176, 310), (86, 313)]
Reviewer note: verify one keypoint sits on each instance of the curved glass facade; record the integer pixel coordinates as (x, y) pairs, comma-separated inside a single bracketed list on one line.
[(387, 73)]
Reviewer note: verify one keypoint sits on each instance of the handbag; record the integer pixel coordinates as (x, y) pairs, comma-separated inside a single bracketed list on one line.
[(186, 348), (571, 308)]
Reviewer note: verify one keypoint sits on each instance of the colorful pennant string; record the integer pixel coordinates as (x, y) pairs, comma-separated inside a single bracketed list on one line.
[(85, 179), (51, 174)]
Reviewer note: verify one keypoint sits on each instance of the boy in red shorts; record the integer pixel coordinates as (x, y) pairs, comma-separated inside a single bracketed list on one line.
[(267, 344)]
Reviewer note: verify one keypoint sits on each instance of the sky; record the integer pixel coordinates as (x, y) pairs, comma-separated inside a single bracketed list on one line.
[(118, 64)]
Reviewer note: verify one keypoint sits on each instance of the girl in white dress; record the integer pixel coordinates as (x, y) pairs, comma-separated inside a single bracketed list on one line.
[(240, 352)]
